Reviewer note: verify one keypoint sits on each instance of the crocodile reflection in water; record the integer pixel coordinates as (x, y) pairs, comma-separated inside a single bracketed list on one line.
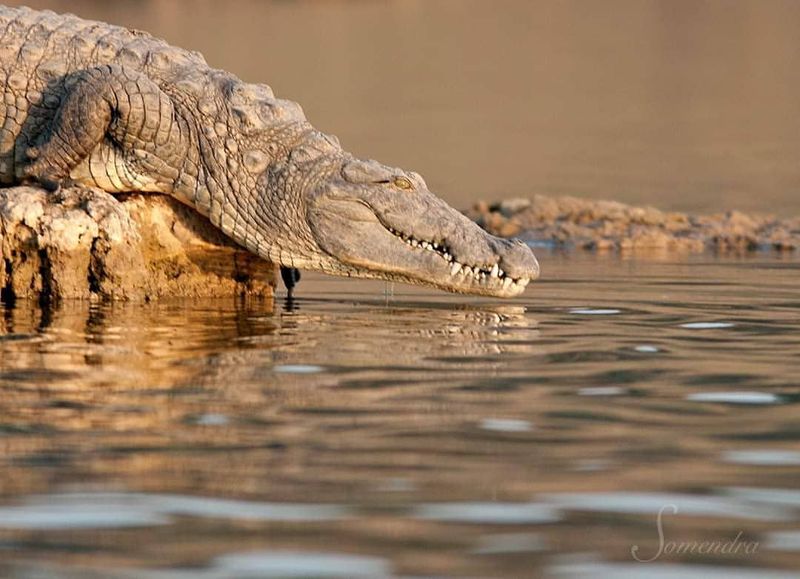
[(259, 335)]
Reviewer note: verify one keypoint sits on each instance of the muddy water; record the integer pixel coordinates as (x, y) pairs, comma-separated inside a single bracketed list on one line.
[(360, 432), (685, 105)]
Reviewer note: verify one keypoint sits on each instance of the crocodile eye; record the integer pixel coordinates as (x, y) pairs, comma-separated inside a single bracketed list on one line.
[(402, 183)]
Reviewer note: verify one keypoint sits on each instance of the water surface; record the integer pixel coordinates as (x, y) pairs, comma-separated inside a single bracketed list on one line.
[(370, 430), (367, 430)]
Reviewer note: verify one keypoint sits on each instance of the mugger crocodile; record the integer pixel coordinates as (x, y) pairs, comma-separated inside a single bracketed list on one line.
[(104, 106)]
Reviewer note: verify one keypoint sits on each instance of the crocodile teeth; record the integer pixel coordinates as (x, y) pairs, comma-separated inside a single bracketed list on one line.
[(481, 274)]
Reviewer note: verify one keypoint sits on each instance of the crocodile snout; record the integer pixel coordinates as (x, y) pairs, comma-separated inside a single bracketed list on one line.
[(518, 259)]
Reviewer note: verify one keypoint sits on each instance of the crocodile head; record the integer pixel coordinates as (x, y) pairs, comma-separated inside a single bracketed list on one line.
[(378, 222)]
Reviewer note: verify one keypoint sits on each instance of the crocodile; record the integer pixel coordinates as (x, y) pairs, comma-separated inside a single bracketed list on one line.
[(98, 105)]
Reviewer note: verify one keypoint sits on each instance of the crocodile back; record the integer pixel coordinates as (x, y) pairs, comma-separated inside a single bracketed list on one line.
[(38, 51)]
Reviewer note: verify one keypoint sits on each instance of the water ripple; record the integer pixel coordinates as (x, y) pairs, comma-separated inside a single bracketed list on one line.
[(763, 457), (736, 397), (707, 325), (301, 564), (595, 311), (652, 503), (489, 513), (98, 510), (598, 570), (506, 425)]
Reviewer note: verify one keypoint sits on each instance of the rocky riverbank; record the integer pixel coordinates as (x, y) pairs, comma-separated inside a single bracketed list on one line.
[(570, 222), (85, 243)]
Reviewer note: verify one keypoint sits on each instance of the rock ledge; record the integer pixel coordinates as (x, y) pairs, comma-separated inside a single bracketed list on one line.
[(85, 243)]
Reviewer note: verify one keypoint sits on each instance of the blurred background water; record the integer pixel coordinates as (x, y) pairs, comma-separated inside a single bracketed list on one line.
[(683, 104), (369, 430)]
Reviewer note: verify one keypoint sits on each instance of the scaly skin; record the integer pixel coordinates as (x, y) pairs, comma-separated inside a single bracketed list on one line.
[(108, 107)]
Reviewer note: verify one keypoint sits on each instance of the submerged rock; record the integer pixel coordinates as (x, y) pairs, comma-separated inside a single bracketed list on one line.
[(85, 243), (608, 225)]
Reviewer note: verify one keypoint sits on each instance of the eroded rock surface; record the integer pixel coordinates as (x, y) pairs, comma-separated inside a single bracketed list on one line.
[(587, 224), (86, 243)]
